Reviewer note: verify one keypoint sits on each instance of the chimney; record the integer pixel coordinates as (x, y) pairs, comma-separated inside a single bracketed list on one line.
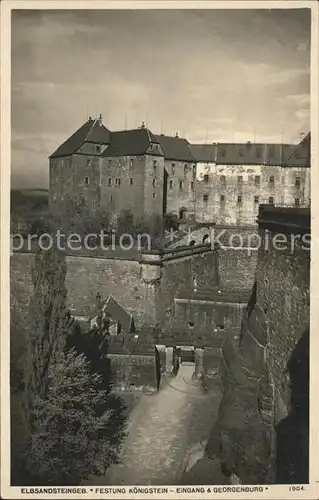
[(90, 118), (143, 125), (100, 120), (302, 136), (176, 136)]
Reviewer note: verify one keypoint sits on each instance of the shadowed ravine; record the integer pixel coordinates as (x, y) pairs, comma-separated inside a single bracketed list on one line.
[(162, 429)]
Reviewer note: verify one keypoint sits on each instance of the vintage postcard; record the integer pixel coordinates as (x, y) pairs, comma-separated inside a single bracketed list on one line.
[(159, 269)]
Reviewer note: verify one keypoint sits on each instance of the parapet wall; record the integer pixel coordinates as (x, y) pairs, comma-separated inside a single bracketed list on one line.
[(147, 286)]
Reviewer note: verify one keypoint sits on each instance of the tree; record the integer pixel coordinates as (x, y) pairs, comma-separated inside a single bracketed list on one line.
[(49, 322), (74, 436), (74, 426)]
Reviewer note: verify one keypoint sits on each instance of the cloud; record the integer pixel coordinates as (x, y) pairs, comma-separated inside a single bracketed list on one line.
[(221, 73)]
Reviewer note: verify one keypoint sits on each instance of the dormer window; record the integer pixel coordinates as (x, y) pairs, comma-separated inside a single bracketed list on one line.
[(98, 149)]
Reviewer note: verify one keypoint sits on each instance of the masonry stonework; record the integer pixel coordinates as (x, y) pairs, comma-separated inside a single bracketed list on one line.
[(153, 175), (265, 372)]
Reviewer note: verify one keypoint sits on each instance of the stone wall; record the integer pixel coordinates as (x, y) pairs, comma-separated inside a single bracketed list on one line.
[(147, 288), (237, 267), (261, 434), (181, 186), (133, 371), (231, 194)]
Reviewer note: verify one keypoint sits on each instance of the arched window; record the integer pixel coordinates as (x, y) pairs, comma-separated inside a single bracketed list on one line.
[(206, 238)]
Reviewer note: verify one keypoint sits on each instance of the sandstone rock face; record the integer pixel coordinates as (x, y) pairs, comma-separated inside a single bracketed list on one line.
[(261, 434)]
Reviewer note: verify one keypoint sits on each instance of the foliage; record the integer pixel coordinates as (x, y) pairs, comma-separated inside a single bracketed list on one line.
[(73, 435), (49, 322)]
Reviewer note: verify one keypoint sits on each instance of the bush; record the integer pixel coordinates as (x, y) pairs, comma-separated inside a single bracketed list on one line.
[(73, 436)]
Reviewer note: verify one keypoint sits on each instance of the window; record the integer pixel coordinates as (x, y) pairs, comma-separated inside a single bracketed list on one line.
[(206, 178), (154, 164), (88, 162), (154, 195), (86, 180), (297, 183), (180, 185), (171, 184), (239, 179), (154, 183), (205, 198), (297, 202), (194, 171), (120, 162), (98, 149), (271, 200), (110, 181), (256, 199), (111, 198), (173, 168), (239, 199), (222, 198), (131, 181), (257, 180), (271, 179), (119, 182), (82, 201), (192, 186), (156, 147), (131, 163), (185, 171), (110, 163), (223, 179)]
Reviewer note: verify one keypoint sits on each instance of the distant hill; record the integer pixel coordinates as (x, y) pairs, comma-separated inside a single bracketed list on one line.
[(29, 202)]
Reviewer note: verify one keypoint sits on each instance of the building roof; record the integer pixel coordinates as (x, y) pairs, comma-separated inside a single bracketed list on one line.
[(175, 148), (300, 155), (204, 153), (91, 131), (254, 154), (131, 142), (116, 312)]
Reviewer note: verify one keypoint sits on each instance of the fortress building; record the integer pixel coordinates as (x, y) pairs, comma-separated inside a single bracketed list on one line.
[(151, 175)]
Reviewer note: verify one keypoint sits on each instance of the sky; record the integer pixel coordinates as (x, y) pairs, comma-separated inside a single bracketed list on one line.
[(210, 75)]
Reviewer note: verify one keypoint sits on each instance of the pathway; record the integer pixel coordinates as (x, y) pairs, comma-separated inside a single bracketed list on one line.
[(161, 428)]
